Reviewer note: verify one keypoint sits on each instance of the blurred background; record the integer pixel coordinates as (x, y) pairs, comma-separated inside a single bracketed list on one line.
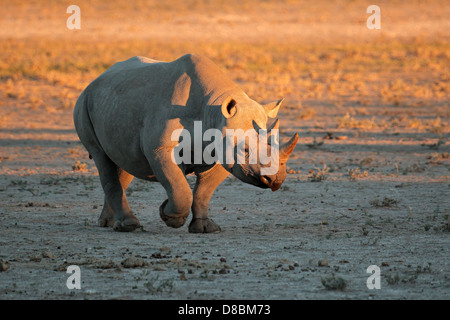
[(334, 72), (313, 53)]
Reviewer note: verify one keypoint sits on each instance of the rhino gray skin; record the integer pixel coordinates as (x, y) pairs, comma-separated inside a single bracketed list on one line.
[(125, 119)]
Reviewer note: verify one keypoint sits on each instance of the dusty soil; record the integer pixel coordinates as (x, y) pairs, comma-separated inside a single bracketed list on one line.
[(357, 194)]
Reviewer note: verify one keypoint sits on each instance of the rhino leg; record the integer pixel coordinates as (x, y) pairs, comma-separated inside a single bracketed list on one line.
[(107, 216), (175, 210), (114, 181), (208, 179)]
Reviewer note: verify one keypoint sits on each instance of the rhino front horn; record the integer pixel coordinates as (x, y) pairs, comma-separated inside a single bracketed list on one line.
[(287, 148)]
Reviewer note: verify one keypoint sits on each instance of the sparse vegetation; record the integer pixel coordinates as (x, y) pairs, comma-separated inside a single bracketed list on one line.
[(306, 113), (438, 158), (356, 173), (154, 285), (79, 166), (350, 122), (334, 283), (318, 174), (386, 202)]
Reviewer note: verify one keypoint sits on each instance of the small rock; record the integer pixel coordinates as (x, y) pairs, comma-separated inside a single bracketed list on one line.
[(223, 260), (291, 267), (385, 264), (36, 258), (133, 262), (159, 268), (4, 265), (323, 263), (183, 277), (62, 267), (156, 255), (47, 254)]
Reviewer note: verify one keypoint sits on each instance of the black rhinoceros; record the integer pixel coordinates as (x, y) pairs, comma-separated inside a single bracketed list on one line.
[(127, 117)]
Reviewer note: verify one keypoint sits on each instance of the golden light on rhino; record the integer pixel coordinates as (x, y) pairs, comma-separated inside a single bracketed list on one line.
[(127, 117)]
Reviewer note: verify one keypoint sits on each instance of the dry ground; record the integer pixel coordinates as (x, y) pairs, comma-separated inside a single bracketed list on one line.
[(368, 183)]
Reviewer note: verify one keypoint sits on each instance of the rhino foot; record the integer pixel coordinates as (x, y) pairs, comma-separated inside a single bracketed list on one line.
[(174, 221), (106, 217), (203, 225), (126, 225), (105, 222)]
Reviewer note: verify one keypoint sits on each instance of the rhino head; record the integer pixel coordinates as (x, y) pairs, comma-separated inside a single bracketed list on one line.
[(257, 157)]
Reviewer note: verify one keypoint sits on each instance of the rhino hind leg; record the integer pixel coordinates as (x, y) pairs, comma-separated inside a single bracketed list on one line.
[(116, 212), (106, 218)]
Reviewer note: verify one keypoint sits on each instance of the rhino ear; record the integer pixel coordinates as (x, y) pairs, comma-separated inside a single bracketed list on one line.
[(272, 108), (229, 107)]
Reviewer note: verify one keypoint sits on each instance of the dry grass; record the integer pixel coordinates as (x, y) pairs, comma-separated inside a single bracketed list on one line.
[(366, 82), (265, 71), (319, 174)]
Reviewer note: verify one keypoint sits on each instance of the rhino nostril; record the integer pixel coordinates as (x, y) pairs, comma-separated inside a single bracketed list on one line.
[(266, 180)]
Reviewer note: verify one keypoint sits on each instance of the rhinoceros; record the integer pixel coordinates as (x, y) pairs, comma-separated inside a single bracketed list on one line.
[(126, 118)]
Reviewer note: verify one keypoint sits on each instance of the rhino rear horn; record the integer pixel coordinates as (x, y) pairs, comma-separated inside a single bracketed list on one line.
[(287, 148), (275, 125)]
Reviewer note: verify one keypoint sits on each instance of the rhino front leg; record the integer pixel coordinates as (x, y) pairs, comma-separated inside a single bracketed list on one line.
[(114, 181), (208, 179), (175, 210)]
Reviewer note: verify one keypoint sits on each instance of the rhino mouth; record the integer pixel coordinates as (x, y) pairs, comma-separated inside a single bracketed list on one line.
[(275, 186), (261, 181), (266, 182)]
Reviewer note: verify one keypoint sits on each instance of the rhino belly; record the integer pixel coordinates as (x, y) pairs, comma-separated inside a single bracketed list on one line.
[(123, 147)]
